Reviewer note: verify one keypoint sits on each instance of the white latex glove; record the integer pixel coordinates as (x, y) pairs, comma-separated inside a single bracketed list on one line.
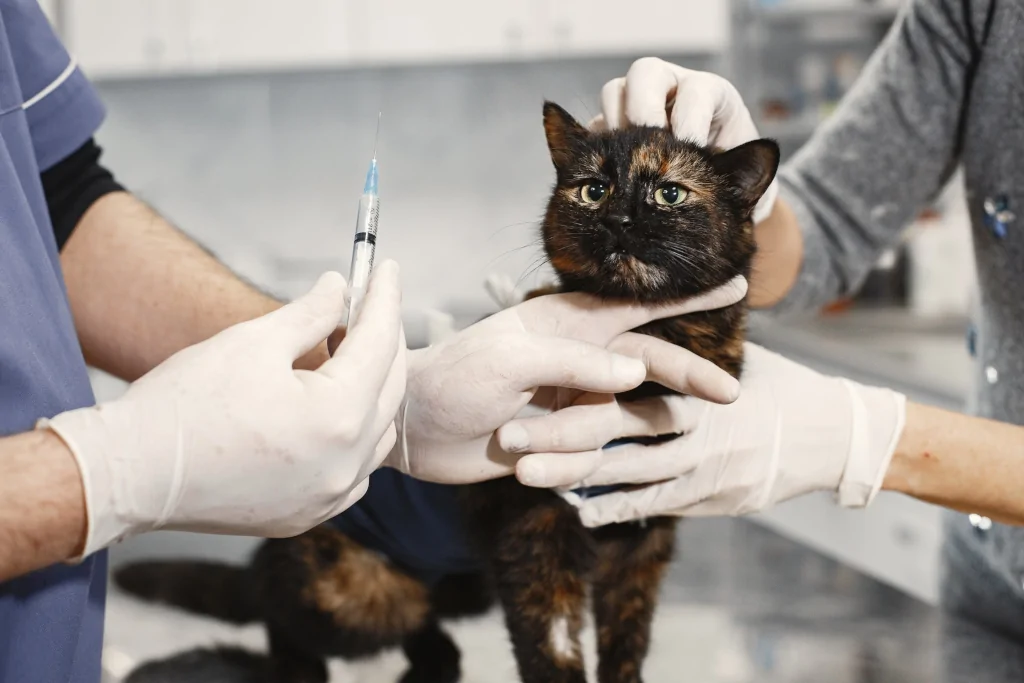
[(225, 437), (792, 431), (698, 106), (463, 389)]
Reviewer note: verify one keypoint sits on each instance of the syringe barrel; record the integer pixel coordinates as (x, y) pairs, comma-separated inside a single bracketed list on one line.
[(363, 249)]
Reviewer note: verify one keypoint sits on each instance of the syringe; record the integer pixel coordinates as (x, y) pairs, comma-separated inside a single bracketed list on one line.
[(365, 243)]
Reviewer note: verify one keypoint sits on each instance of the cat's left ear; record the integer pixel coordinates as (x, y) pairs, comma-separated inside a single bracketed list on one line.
[(562, 131), (749, 168)]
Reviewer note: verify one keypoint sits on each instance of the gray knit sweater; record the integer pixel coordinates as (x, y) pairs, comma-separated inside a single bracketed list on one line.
[(946, 88)]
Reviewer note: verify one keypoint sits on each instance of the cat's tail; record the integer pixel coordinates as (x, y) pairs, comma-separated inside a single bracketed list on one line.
[(217, 590), (216, 665)]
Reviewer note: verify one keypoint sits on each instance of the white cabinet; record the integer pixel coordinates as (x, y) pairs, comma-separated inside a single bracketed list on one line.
[(115, 38), (127, 37), (146, 37), (585, 27), (411, 31), (248, 35)]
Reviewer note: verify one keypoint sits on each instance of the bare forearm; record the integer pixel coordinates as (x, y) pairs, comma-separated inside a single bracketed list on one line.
[(965, 463), (140, 290), (779, 256), (42, 505)]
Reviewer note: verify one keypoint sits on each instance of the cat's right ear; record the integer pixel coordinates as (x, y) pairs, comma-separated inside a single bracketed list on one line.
[(562, 131)]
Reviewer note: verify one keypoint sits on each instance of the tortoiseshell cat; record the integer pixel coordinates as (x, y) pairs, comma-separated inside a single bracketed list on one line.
[(636, 215)]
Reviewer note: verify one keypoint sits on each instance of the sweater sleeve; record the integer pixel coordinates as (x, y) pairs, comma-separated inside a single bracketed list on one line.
[(890, 147)]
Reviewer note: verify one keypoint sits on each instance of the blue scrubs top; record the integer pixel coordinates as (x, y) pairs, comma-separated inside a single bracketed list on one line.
[(51, 621)]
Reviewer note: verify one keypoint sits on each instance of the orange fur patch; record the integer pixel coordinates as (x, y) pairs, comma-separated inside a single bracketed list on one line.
[(362, 591)]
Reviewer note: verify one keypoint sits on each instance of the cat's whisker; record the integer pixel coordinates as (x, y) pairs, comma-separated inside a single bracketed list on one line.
[(532, 245), (510, 225), (536, 266)]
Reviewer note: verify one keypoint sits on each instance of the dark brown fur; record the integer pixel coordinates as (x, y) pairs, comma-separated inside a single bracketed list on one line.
[(323, 595), (627, 247)]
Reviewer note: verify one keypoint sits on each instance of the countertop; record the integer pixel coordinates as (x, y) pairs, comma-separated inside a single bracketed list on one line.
[(925, 358), (741, 605)]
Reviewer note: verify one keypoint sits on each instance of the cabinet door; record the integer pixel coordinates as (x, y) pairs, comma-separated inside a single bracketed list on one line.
[(405, 31), (127, 37), (267, 34), (644, 27)]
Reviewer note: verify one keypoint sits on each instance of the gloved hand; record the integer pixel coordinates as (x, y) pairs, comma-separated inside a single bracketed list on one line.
[(225, 437), (698, 106), (792, 431), (463, 389)]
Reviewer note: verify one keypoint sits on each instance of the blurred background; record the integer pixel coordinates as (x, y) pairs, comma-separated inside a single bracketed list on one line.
[(249, 124)]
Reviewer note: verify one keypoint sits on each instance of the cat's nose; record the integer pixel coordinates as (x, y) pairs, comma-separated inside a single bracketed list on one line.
[(618, 222)]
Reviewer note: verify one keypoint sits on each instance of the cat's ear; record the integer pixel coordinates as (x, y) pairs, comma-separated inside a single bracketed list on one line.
[(749, 169), (562, 131)]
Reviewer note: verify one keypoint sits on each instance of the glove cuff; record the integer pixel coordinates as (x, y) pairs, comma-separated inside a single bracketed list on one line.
[(111, 516), (878, 418), (766, 204)]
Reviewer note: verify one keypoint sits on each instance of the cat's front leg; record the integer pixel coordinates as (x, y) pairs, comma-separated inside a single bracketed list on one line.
[(540, 555), (632, 560)]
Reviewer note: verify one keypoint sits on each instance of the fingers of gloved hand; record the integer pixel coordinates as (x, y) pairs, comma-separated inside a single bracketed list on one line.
[(627, 506), (299, 326), (583, 427), (550, 470), (585, 317), (613, 105), (649, 85), (678, 369), (709, 109), (620, 318), (639, 464), (558, 362), (710, 106), (663, 415), (370, 345)]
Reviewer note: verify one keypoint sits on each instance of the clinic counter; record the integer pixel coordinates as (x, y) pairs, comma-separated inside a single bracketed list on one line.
[(926, 359), (791, 615)]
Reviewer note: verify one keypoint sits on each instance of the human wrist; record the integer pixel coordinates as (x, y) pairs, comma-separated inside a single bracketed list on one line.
[(66, 477), (42, 509), (779, 257), (912, 461)]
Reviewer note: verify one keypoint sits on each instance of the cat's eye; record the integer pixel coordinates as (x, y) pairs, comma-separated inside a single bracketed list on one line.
[(593, 193), (670, 194)]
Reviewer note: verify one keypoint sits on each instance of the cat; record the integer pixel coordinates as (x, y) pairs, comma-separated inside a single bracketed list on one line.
[(635, 215)]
